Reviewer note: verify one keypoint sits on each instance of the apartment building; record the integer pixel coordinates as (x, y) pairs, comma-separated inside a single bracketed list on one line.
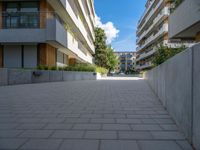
[(46, 32), (153, 30), (188, 24), (126, 61)]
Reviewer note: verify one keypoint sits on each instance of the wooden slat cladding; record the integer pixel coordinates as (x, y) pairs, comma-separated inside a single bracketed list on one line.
[(46, 12), (42, 60), (1, 17), (51, 55), (198, 37), (47, 55), (43, 7), (72, 61), (1, 56)]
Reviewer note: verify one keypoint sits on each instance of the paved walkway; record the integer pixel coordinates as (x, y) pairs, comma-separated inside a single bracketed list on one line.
[(86, 115)]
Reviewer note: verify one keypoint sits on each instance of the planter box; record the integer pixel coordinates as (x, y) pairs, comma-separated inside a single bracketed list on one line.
[(16, 76), (68, 76), (43, 77), (3, 77), (55, 76), (20, 76)]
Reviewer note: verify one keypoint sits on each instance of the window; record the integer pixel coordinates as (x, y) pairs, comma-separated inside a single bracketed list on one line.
[(21, 15)]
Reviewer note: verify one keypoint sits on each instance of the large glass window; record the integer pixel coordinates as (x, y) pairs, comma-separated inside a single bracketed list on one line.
[(21, 15)]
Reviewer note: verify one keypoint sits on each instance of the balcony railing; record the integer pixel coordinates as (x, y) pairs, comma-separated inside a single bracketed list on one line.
[(152, 12), (21, 19), (154, 36), (164, 12), (147, 10), (12, 20)]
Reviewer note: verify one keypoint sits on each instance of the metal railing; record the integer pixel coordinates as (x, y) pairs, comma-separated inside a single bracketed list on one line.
[(13, 20)]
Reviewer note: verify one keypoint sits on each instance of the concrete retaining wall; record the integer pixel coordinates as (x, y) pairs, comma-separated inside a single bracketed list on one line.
[(177, 84), (19, 76)]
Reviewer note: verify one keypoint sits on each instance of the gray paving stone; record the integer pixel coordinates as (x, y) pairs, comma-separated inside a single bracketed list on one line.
[(169, 127), (158, 145), (69, 134), (29, 120), (36, 134), (132, 121), (69, 115), (184, 145), (92, 116), (116, 127), (118, 145), (136, 135), (114, 116), (30, 126), (76, 113), (9, 144), (164, 121), (171, 135), (52, 120), (80, 145), (149, 121), (101, 135), (138, 116), (87, 126), (102, 120), (10, 133), (58, 126), (8, 126), (146, 127), (42, 144), (77, 120)]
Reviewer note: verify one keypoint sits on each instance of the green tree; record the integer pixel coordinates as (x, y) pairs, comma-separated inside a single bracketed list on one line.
[(100, 48), (112, 59), (163, 53)]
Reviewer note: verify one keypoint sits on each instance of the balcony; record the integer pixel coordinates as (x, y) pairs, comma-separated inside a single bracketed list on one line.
[(146, 11), (187, 25), (156, 21), (146, 54), (89, 20), (144, 66), (152, 12), (75, 21), (153, 37), (21, 27)]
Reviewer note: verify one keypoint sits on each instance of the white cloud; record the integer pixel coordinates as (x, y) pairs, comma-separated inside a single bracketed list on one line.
[(110, 30)]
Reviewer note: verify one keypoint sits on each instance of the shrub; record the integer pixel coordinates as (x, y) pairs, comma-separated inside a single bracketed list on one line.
[(163, 53), (41, 67), (81, 67), (101, 70), (53, 68)]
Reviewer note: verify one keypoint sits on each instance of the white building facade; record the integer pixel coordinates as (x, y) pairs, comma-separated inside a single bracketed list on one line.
[(46, 32), (153, 29)]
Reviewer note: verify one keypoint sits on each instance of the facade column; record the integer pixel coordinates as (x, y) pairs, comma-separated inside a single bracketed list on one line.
[(72, 61)]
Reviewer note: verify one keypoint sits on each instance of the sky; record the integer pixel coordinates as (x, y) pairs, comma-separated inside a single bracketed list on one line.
[(119, 20)]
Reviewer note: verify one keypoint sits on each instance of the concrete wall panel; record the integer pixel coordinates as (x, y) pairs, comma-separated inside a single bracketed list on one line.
[(16, 76), (178, 90), (55, 76), (196, 97), (3, 77), (177, 84), (44, 77)]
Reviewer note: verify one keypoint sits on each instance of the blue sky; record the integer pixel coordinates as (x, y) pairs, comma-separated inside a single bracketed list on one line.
[(124, 14)]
